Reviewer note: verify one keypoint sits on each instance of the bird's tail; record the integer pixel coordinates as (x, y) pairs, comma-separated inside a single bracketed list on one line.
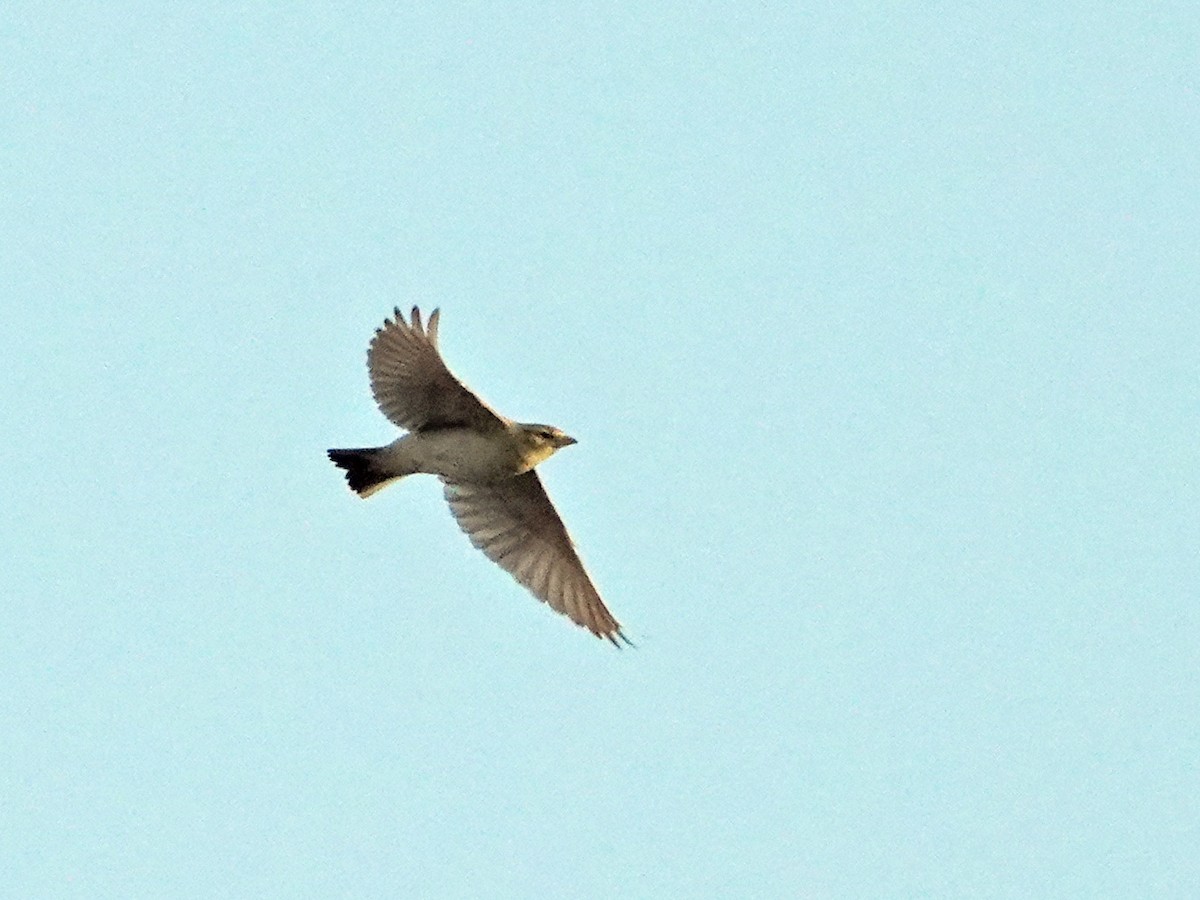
[(365, 472)]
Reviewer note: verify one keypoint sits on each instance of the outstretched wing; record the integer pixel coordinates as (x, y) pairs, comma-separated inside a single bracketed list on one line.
[(412, 385), (516, 525)]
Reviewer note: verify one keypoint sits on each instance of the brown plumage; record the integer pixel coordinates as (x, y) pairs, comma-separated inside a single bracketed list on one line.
[(486, 462)]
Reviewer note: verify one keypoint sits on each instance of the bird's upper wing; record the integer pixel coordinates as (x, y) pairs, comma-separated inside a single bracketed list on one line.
[(516, 525), (412, 385)]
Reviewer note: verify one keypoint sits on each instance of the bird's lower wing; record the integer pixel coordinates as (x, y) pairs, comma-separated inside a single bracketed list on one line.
[(516, 525)]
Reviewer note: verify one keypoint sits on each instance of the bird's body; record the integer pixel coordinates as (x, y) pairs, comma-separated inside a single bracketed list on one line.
[(486, 462), (455, 454), (460, 454)]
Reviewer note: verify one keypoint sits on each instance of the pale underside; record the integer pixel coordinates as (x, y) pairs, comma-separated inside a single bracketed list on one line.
[(510, 519)]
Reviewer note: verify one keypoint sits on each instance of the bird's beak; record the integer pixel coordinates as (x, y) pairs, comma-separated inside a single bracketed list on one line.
[(566, 441)]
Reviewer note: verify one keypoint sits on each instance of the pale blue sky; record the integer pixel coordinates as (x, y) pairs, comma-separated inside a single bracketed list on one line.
[(878, 325)]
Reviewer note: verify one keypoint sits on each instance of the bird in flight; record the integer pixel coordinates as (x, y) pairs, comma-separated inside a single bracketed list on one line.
[(486, 463)]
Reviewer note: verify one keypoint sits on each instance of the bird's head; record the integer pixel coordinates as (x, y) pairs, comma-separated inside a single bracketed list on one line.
[(542, 441)]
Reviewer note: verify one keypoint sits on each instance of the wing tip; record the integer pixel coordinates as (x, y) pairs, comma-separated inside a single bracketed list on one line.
[(617, 638), (413, 323)]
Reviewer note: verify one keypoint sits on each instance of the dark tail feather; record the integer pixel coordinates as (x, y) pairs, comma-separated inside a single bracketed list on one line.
[(362, 474)]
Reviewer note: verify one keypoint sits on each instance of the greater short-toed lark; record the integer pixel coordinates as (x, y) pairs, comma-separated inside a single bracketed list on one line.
[(486, 463)]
